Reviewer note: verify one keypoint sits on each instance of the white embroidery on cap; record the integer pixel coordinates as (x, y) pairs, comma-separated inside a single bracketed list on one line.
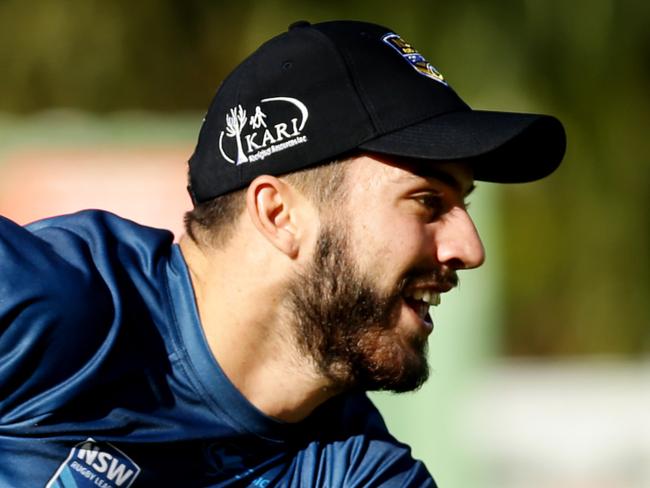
[(254, 139)]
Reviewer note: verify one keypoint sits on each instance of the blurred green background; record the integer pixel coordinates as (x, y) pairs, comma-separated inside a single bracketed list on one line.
[(568, 271), (576, 269)]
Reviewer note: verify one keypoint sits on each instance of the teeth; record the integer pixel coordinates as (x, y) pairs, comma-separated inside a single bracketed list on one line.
[(428, 296)]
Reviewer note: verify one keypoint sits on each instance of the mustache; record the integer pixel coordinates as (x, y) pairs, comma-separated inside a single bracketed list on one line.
[(444, 278)]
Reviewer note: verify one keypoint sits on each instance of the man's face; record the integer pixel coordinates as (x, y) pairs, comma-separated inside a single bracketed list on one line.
[(383, 256)]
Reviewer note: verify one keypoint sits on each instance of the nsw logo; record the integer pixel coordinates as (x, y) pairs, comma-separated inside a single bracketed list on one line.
[(275, 124), (414, 58), (95, 464)]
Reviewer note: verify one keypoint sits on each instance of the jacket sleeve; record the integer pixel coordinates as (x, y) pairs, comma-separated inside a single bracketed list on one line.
[(50, 327)]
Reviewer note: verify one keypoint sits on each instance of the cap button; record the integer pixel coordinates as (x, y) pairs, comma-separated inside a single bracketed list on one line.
[(299, 24)]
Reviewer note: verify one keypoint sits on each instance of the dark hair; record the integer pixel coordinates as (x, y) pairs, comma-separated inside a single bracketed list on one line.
[(212, 223)]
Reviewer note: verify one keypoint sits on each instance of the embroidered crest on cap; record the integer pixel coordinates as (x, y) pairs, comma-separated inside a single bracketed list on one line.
[(92, 464), (275, 124), (414, 58)]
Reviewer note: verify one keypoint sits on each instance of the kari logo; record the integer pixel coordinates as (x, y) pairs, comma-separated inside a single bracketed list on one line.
[(275, 124), (95, 464), (414, 58)]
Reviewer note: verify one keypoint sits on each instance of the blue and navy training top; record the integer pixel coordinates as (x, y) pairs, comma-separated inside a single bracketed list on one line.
[(106, 379)]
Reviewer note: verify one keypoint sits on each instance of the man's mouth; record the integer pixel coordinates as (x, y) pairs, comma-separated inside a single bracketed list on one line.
[(420, 300)]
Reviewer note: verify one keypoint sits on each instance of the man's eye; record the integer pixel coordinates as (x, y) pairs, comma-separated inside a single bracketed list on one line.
[(433, 204), (431, 201)]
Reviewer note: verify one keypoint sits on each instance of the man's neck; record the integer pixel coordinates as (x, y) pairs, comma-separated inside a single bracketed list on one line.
[(250, 335)]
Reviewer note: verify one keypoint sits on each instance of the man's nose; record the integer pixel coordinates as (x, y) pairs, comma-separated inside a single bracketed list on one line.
[(457, 241)]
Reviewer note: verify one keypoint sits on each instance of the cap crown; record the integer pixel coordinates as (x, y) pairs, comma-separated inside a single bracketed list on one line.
[(309, 95)]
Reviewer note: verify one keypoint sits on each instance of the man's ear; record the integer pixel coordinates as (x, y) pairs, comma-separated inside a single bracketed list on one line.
[(271, 204)]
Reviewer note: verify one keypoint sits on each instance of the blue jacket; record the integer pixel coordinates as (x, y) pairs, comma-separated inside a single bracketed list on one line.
[(106, 378)]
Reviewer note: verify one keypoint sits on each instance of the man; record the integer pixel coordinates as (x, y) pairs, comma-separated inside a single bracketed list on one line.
[(329, 182)]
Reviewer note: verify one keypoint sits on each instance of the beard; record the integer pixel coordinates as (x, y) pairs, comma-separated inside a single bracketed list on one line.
[(348, 326)]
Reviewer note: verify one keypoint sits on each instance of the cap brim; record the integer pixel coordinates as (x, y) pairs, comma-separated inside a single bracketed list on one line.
[(502, 147)]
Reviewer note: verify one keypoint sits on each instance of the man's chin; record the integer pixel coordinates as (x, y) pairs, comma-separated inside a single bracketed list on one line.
[(412, 380), (408, 374), (407, 384)]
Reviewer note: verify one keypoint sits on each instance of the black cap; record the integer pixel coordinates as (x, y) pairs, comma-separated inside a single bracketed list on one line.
[(319, 91)]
